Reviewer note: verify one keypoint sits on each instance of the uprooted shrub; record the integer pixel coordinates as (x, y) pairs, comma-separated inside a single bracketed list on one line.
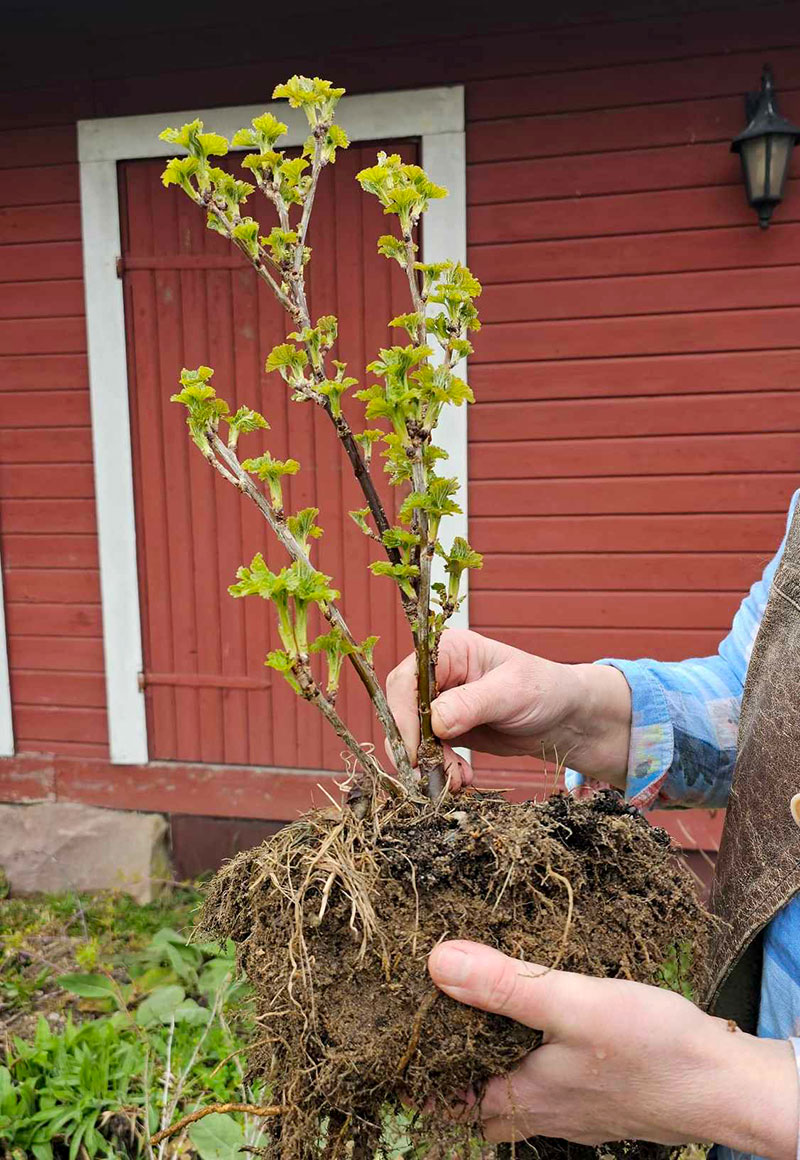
[(334, 916)]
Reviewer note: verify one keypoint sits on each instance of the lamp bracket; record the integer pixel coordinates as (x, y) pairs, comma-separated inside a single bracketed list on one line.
[(751, 103)]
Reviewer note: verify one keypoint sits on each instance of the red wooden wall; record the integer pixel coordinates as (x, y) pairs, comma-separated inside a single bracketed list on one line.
[(635, 441)]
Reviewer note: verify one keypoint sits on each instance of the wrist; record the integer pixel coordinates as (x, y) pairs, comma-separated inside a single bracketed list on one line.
[(601, 721), (757, 1100)]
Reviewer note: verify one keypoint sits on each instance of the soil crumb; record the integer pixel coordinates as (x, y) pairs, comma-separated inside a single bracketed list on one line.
[(334, 918)]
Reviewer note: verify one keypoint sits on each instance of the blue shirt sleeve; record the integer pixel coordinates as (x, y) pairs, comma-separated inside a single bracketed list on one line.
[(685, 714)]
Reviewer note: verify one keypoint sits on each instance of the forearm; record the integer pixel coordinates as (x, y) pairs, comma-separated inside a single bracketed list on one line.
[(597, 725), (751, 1102)]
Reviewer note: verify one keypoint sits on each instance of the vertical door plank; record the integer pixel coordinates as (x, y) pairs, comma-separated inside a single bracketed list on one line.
[(194, 530), (150, 480)]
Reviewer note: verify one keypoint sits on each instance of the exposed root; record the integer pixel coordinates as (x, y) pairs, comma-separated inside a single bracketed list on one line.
[(264, 1110), (416, 1029), (335, 916)]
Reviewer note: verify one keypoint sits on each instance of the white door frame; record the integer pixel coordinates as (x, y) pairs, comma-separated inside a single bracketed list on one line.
[(436, 116), (6, 719)]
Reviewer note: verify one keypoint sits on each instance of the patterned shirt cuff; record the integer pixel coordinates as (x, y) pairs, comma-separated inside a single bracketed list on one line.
[(796, 1047), (652, 739)]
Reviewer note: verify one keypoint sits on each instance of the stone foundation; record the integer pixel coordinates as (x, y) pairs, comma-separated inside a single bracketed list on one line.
[(54, 847)]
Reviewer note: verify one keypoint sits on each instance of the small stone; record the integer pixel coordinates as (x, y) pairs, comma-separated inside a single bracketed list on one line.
[(52, 847)]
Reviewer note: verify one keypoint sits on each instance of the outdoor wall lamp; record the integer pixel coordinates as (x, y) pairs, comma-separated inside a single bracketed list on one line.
[(765, 147)]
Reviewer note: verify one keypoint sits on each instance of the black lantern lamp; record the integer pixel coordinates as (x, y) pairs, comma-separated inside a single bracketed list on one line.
[(765, 147)]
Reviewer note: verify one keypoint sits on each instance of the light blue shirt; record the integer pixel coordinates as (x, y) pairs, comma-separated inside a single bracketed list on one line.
[(683, 749)]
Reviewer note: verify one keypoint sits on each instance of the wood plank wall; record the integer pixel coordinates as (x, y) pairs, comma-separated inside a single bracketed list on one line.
[(635, 440)]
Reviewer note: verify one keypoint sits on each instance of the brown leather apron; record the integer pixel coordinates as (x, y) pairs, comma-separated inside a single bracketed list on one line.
[(758, 869)]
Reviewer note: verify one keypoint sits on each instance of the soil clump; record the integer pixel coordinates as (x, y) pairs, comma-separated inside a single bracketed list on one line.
[(334, 917)]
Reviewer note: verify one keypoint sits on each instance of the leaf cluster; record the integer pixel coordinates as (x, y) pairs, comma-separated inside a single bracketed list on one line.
[(286, 181), (401, 188), (292, 590), (272, 472), (205, 410)]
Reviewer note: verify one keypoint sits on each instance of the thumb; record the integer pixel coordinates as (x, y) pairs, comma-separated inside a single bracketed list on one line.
[(457, 710), (482, 977)]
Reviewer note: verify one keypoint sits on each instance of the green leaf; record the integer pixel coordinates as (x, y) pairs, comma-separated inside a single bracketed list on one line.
[(272, 472), (87, 986), (462, 556), (401, 573), (246, 232), (218, 972), (255, 580), (307, 586), (335, 647), (359, 518), (282, 663), (180, 171), (243, 423), (405, 190), (333, 389), (318, 98), (265, 131), (458, 559), (160, 1006), (192, 138), (281, 244), (287, 359), (367, 647), (232, 190), (189, 1011), (200, 399), (402, 539), (303, 527), (408, 322), (437, 501), (292, 185), (366, 439), (217, 1137), (392, 247)]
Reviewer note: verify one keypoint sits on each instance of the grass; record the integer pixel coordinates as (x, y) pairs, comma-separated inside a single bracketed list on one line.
[(113, 1026)]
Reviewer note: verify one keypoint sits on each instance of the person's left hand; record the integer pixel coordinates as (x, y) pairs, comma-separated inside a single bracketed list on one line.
[(622, 1060)]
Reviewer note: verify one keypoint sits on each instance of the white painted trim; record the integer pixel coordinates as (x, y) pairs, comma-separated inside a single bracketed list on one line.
[(444, 235), (436, 115), (113, 462), (6, 719)]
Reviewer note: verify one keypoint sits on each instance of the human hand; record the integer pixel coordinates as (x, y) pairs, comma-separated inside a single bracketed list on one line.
[(498, 699), (622, 1060)]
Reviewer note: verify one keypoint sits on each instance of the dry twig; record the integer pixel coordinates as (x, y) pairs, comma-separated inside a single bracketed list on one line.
[(264, 1110)]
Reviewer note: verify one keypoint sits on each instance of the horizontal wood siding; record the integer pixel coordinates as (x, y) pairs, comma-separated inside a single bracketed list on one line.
[(47, 519), (635, 440)]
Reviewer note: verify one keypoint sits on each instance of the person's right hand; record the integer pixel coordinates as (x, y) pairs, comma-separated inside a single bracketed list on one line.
[(498, 699)]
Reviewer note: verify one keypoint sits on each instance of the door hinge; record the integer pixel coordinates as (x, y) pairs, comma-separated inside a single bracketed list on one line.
[(120, 266)]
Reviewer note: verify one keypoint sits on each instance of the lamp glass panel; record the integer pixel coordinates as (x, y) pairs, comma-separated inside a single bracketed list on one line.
[(754, 164), (781, 147)]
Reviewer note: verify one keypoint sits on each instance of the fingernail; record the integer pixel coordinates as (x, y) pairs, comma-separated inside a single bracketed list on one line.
[(444, 714), (450, 965)]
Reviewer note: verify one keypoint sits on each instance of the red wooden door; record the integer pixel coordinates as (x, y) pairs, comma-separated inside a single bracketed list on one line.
[(191, 299)]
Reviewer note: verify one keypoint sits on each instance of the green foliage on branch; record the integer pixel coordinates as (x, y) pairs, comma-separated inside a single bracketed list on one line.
[(402, 189), (292, 591), (204, 408), (412, 386), (303, 526), (272, 472)]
